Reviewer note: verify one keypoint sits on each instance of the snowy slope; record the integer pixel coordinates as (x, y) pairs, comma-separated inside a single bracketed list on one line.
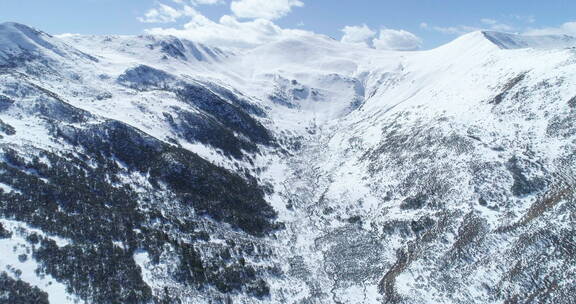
[(300, 171), (448, 144)]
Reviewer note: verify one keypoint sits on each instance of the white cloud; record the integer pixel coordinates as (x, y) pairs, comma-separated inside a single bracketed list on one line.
[(449, 30), (358, 35), (264, 9), (568, 28), (207, 2), (199, 2), (397, 40), (229, 32), (387, 39), (488, 21), (165, 14), (525, 19), (495, 25)]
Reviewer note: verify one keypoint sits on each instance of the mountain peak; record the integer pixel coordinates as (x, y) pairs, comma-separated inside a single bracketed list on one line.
[(16, 38), (475, 42), (19, 42), (18, 28), (515, 41)]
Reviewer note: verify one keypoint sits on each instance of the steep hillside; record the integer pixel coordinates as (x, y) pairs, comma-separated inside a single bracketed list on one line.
[(158, 170)]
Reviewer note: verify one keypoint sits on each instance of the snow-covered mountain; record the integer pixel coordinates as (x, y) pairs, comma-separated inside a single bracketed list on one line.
[(149, 169)]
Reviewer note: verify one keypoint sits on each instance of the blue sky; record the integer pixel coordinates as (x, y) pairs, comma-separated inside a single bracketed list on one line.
[(433, 22)]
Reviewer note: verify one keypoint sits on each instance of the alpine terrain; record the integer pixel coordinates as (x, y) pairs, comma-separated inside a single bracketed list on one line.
[(152, 169)]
